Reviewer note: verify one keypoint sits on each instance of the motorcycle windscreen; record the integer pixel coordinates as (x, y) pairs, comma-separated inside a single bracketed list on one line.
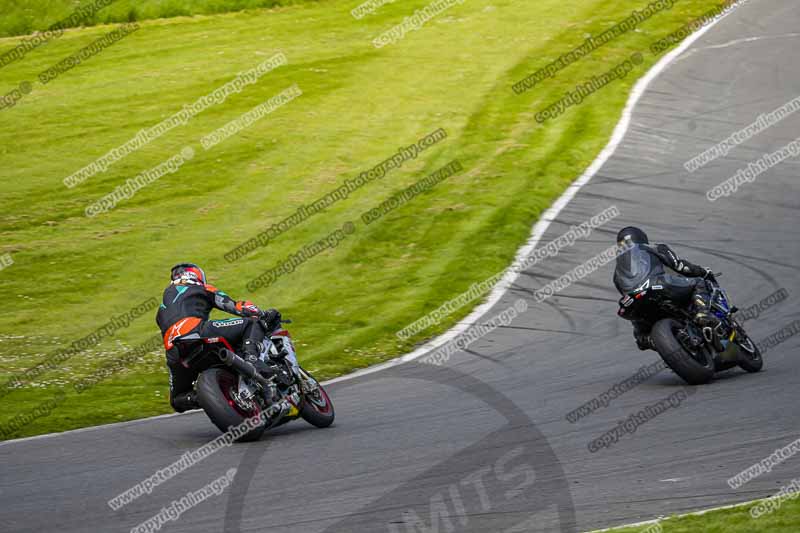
[(633, 267)]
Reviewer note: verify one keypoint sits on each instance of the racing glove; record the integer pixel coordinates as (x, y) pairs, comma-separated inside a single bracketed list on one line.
[(250, 309)]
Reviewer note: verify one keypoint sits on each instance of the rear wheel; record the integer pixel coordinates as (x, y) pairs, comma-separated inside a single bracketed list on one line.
[(216, 393), (695, 366), (749, 354), (317, 408)]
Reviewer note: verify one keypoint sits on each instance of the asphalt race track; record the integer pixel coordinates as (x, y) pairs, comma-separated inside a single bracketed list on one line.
[(481, 443)]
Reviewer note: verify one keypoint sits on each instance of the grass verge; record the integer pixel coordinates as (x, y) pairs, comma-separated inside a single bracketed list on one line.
[(734, 520), (23, 18)]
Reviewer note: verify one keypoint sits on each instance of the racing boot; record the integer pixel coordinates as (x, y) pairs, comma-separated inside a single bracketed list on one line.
[(645, 342), (703, 316), (251, 351), (282, 353), (185, 401)]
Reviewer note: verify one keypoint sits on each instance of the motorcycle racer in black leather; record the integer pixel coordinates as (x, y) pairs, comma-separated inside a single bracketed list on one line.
[(645, 262)]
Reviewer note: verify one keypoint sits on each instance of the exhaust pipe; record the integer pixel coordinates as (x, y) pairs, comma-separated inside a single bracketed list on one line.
[(241, 366)]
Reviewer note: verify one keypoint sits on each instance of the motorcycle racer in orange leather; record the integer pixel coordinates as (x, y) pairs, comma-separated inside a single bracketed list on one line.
[(185, 309)]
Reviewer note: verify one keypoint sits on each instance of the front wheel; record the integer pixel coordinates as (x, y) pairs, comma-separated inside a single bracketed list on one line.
[(317, 408), (216, 393), (749, 354), (695, 366)]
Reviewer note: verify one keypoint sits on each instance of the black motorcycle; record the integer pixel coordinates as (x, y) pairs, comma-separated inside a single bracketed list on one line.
[(693, 352), (231, 391)]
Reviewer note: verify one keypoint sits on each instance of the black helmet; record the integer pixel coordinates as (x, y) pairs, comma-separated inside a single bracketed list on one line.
[(634, 234), (189, 271)]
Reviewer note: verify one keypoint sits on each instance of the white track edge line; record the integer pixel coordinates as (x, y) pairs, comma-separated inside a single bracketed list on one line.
[(505, 282)]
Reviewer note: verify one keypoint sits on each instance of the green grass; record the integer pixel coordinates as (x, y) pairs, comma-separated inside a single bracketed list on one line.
[(359, 105), (21, 17), (736, 520)]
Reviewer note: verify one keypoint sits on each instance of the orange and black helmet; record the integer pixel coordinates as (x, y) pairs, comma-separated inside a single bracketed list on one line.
[(188, 271)]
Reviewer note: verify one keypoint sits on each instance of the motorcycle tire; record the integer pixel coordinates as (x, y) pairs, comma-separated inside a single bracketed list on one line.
[(213, 394), (678, 358)]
